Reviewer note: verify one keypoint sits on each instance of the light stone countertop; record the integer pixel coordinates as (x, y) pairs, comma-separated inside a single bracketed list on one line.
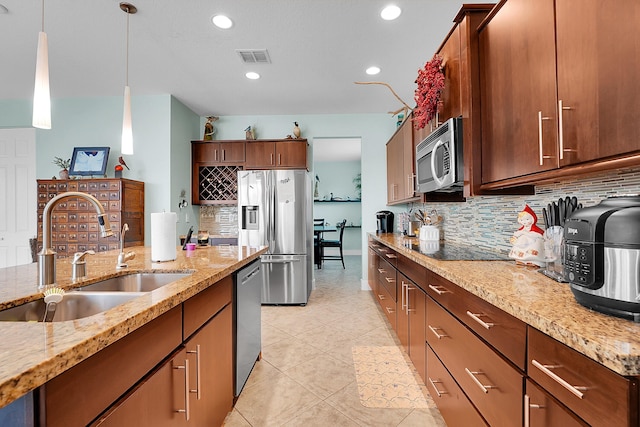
[(539, 301), (31, 353)]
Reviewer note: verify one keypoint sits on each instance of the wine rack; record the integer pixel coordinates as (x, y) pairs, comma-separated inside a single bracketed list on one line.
[(218, 184)]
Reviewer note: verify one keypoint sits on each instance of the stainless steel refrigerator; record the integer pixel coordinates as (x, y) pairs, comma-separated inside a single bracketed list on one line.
[(275, 209)]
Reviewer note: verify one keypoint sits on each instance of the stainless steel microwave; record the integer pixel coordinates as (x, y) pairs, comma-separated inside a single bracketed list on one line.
[(439, 162)]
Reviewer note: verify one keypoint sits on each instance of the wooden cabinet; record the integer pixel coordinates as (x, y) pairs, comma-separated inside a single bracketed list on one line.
[(74, 223), (277, 154), (542, 410), (491, 383), (593, 392), (400, 165), (558, 97), (218, 152), (452, 403), (214, 168)]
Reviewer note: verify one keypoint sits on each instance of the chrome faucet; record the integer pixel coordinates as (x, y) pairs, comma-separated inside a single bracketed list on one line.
[(47, 257), (79, 265), (122, 257)]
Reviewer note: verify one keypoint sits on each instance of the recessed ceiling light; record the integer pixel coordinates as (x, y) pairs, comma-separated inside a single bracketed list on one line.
[(390, 12), (372, 71), (222, 21), (253, 76)]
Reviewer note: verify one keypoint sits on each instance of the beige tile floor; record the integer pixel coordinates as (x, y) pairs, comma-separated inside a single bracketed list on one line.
[(306, 376)]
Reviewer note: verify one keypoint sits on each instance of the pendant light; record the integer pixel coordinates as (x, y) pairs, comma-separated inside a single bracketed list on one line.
[(127, 131), (41, 95)]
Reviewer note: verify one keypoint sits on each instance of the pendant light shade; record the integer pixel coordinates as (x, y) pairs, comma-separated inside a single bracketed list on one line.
[(127, 130), (41, 95)]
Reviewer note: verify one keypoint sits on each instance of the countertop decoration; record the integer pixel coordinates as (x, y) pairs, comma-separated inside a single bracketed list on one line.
[(528, 240), (63, 165), (430, 82)]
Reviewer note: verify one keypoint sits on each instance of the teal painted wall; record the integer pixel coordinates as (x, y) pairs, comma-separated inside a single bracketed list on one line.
[(160, 123)]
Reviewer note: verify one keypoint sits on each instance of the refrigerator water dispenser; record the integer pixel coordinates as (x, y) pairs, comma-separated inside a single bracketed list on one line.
[(250, 217)]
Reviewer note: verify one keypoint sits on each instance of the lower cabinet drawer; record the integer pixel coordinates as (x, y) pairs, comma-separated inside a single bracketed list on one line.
[(595, 393), (388, 305), (542, 410), (493, 385), (452, 403), (387, 277)]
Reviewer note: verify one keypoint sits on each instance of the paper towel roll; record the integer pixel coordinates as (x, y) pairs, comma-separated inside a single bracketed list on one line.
[(163, 236)]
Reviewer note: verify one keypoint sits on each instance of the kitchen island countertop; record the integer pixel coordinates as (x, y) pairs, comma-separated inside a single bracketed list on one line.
[(539, 301), (32, 353)]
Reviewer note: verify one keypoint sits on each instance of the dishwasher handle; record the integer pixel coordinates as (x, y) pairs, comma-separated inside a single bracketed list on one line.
[(250, 275), (279, 261)]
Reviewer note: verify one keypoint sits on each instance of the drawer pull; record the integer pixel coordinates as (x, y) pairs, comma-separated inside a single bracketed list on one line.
[(389, 310), (381, 296), (391, 256), (433, 384), (439, 289), (527, 408), (435, 332), (483, 387), (390, 280), (477, 319), (381, 270), (547, 370)]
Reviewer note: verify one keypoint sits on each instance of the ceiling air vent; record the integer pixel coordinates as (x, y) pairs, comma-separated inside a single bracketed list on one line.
[(254, 56)]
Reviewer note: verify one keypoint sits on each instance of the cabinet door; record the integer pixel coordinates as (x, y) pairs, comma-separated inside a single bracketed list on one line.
[(451, 102), (291, 154), (231, 152), (597, 78), (402, 310), (395, 164), (518, 86), (260, 154), (210, 354), (155, 402), (408, 161), (417, 309), (541, 410)]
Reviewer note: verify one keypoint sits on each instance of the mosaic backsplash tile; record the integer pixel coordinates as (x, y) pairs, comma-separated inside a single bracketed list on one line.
[(489, 221), (219, 220)]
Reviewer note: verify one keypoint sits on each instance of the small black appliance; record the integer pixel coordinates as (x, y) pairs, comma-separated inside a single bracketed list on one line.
[(385, 221), (602, 254)]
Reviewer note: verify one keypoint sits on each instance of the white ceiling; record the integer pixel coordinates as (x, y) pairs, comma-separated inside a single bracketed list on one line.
[(318, 49)]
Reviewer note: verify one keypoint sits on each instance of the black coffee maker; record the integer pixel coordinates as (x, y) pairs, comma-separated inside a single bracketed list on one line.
[(385, 221)]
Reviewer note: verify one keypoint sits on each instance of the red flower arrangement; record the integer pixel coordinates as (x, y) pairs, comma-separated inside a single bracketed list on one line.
[(430, 85)]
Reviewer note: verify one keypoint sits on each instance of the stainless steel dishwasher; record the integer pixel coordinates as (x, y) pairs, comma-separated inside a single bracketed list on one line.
[(247, 320)]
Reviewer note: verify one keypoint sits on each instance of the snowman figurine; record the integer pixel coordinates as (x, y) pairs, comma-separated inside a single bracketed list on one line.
[(528, 240)]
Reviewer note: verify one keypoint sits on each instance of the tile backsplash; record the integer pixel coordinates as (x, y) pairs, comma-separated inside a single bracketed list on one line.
[(219, 220), (490, 221)]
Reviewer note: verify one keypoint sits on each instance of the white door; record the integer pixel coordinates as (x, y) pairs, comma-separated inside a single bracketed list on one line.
[(18, 195)]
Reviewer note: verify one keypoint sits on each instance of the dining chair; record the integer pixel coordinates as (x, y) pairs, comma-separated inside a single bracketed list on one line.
[(316, 242), (325, 243)]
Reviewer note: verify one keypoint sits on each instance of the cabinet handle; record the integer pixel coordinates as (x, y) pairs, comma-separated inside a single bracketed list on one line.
[(435, 332), (215, 155), (389, 310), (433, 384), (381, 296), (197, 353), (382, 271), (403, 304), (485, 388), (560, 130), (186, 411), (438, 289), (527, 410), (390, 280), (475, 317), (224, 155), (540, 119), (392, 256), (279, 159), (271, 158), (409, 288), (546, 369)]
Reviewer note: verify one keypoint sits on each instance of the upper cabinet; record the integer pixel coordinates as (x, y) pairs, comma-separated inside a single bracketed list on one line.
[(218, 152), (559, 89), (400, 165), (277, 154)]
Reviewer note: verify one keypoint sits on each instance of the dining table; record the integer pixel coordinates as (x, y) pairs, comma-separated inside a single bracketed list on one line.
[(318, 233)]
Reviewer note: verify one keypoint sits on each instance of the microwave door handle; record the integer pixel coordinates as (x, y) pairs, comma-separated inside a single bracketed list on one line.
[(433, 163)]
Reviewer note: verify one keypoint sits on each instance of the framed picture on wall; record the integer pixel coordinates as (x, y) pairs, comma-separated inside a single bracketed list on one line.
[(89, 161)]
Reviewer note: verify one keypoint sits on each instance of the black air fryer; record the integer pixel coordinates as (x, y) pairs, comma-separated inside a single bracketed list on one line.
[(602, 254), (385, 221)]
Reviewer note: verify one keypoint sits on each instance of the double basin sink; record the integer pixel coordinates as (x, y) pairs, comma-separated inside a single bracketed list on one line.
[(94, 298)]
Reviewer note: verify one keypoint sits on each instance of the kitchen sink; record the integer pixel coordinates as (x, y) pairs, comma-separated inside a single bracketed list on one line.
[(74, 305), (136, 282)]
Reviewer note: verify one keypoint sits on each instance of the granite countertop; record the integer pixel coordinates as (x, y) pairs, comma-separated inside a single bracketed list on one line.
[(31, 353), (539, 301)]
